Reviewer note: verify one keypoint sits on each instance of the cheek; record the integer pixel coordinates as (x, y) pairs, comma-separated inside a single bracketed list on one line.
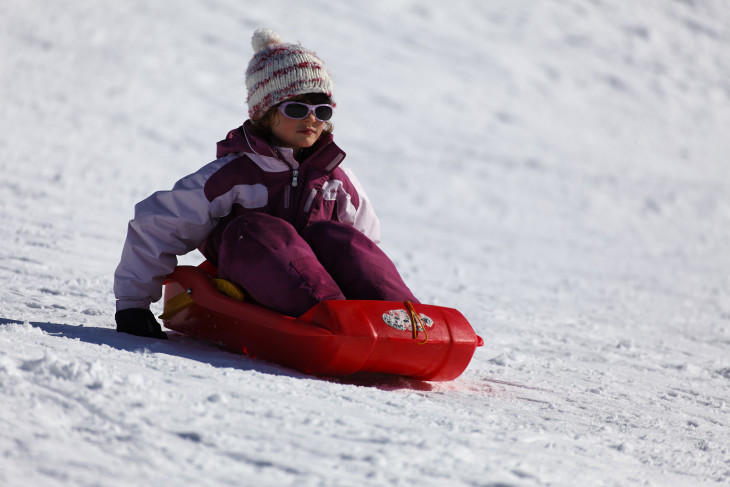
[(280, 126), (288, 124)]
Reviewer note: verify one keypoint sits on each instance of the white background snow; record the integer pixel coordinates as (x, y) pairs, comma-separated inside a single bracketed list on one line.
[(559, 171)]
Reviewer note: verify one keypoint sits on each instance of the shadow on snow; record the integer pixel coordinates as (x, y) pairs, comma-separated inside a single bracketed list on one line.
[(180, 345)]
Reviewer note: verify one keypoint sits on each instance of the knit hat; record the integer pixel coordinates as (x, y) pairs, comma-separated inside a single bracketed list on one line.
[(279, 71)]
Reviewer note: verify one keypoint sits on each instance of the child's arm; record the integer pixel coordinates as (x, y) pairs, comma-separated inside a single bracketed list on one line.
[(165, 225)]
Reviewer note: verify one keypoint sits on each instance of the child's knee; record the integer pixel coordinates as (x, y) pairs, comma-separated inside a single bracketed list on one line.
[(328, 232), (259, 229)]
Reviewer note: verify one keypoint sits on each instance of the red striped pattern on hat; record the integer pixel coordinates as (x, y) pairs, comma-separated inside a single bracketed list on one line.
[(265, 57), (284, 71)]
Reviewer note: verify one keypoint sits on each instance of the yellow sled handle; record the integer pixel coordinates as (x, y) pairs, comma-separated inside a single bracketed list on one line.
[(178, 303)]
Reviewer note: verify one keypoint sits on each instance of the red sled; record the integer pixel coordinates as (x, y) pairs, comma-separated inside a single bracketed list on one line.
[(334, 338)]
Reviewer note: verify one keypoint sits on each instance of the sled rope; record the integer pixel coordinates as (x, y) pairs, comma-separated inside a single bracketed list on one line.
[(415, 321), (178, 303)]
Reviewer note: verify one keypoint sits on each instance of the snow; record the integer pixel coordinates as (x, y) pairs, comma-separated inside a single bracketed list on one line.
[(556, 170)]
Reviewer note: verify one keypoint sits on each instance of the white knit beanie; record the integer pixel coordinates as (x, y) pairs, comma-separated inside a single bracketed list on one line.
[(279, 71)]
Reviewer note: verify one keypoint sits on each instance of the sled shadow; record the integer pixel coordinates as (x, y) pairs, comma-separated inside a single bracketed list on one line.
[(383, 382), (177, 345), (180, 345)]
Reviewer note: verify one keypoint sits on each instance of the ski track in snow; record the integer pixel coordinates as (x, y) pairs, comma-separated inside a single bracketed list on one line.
[(558, 171)]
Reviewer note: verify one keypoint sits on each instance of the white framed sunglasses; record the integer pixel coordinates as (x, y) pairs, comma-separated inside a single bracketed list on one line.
[(297, 110)]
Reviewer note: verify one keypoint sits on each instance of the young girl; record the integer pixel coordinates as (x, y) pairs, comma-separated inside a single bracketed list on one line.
[(275, 212)]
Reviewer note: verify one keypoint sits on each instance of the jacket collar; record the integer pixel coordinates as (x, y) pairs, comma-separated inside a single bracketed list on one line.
[(325, 154)]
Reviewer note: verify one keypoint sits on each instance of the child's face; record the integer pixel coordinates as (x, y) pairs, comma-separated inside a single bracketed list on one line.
[(295, 134)]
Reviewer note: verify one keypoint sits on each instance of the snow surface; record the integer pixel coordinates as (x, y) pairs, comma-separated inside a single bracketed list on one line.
[(559, 171)]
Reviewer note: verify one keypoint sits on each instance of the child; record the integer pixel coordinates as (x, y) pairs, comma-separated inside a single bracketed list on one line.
[(275, 212)]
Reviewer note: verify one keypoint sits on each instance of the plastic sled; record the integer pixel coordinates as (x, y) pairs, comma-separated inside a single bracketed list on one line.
[(334, 338)]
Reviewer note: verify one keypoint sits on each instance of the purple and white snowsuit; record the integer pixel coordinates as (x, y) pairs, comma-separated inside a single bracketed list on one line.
[(291, 234)]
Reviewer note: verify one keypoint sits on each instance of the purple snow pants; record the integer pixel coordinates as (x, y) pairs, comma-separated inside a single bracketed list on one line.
[(289, 273)]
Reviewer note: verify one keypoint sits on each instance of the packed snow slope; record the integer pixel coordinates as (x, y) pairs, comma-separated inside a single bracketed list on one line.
[(559, 171)]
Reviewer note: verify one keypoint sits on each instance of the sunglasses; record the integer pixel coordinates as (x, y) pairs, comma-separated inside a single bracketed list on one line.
[(297, 110)]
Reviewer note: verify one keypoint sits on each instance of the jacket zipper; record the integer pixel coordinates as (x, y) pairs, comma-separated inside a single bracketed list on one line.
[(294, 178)]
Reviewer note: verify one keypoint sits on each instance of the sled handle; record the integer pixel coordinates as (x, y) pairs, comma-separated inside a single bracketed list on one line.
[(178, 303)]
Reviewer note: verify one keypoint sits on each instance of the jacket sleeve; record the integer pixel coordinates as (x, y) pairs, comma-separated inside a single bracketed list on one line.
[(165, 225), (364, 217)]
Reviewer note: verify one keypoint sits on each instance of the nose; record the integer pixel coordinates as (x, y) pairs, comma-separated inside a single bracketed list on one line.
[(310, 117)]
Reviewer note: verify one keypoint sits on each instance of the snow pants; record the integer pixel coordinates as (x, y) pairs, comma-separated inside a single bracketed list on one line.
[(291, 272)]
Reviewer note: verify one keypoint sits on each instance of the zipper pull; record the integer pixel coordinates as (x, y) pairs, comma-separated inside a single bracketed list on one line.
[(294, 175)]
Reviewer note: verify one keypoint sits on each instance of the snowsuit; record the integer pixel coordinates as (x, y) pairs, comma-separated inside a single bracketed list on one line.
[(291, 234)]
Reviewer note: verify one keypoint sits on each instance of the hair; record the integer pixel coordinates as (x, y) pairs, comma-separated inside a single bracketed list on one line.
[(261, 126)]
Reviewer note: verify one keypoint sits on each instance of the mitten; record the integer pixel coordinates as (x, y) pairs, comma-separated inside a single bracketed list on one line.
[(140, 322)]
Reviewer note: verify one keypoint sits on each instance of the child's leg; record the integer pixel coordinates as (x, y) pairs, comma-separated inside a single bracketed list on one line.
[(265, 255), (357, 265)]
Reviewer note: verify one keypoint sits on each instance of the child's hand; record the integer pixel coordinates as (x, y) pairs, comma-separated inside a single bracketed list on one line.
[(140, 322)]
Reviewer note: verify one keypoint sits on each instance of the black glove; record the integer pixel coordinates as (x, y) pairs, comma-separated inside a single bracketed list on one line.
[(140, 322)]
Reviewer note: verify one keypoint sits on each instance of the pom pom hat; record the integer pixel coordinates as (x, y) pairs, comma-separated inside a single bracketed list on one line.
[(279, 71)]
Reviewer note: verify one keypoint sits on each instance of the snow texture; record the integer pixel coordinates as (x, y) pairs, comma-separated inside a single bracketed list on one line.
[(558, 170)]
